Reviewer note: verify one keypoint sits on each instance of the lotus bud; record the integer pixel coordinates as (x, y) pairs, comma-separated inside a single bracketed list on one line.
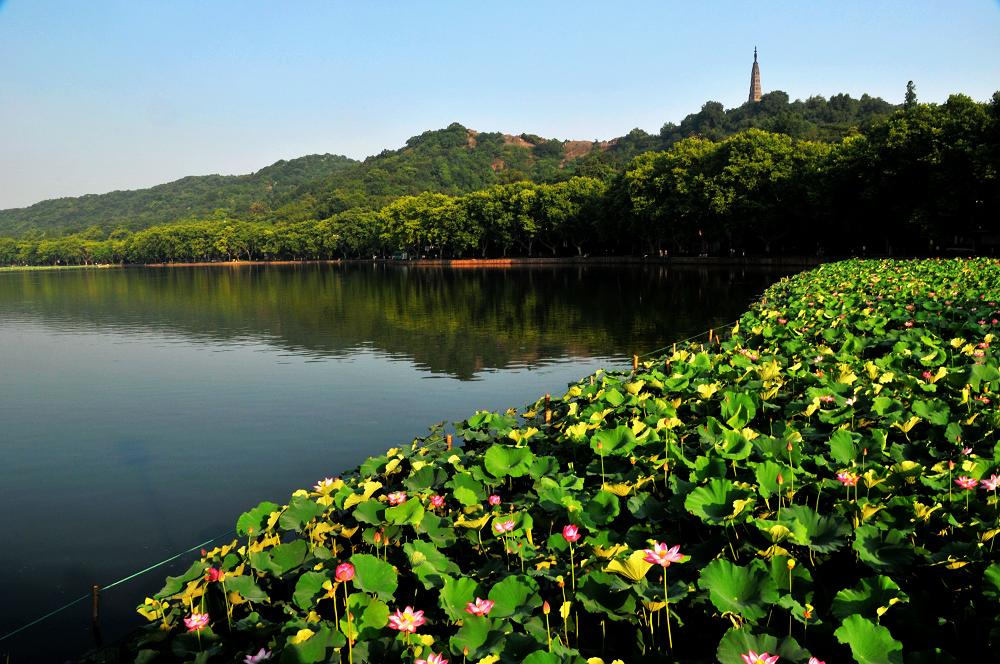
[(790, 564), (546, 608)]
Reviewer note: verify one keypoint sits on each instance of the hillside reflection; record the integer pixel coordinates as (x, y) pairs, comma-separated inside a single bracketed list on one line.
[(455, 322)]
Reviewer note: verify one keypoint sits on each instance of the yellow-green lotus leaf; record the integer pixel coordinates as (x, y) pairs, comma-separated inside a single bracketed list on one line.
[(632, 568)]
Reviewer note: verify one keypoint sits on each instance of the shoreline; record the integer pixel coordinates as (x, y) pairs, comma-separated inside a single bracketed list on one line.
[(467, 263)]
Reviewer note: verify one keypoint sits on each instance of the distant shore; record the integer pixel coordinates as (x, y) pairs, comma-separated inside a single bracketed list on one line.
[(472, 262)]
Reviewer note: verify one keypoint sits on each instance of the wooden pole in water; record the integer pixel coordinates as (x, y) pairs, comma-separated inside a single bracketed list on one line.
[(447, 440), (548, 409), (95, 611), (710, 336), (635, 363)]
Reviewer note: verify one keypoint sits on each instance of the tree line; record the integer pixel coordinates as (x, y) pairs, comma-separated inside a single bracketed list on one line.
[(923, 180)]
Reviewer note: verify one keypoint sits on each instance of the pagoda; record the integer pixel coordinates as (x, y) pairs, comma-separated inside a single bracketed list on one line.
[(755, 78)]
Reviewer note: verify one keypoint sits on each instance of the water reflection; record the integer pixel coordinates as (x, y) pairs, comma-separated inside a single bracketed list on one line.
[(455, 322)]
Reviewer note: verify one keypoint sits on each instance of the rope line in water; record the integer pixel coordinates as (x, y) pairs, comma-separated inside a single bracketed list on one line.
[(113, 584), (726, 326)]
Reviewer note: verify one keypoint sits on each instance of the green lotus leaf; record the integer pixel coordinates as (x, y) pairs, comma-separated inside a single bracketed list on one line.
[(408, 513), (869, 643), (717, 502), (870, 598), (281, 559), (737, 642), (175, 584), (602, 508), (885, 552), (505, 460), (313, 649), (374, 576), (822, 534), (307, 588), (613, 397), (746, 591), (369, 616), (767, 478), (934, 411), (603, 593), (738, 409), (254, 521), (370, 511), (515, 595), (613, 442), (473, 633), (541, 657), (300, 511), (423, 479), (455, 594), (428, 563), (844, 446)]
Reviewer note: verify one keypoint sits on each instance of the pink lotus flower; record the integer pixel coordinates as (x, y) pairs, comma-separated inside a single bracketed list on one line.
[(764, 658), (571, 533), (814, 660), (661, 555), (826, 398), (213, 574), (324, 484), (847, 478), (966, 451), (494, 499), (782, 321), (261, 656), (344, 572), (481, 607), (908, 323), (501, 527), (432, 659), (991, 483), (397, 497), (196, 621), (966, 482), (406, 620), (437, 501), (927, 375)]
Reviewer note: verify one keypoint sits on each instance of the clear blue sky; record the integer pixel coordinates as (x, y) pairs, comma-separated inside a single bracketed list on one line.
[(99, 95)]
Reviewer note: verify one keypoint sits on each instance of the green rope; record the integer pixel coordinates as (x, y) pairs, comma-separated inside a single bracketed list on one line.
[(112, 585)]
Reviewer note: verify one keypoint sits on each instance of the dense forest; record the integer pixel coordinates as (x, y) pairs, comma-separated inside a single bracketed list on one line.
[(820, 176)]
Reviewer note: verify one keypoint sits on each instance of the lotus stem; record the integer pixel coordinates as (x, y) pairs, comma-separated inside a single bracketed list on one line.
[(350, 641), (666, 605), (572, 567)]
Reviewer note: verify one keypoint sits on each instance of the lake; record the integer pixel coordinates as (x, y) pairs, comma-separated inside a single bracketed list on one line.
[(143, 409)]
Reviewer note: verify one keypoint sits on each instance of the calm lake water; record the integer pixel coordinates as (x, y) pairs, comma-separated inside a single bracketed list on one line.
[(142, 409)]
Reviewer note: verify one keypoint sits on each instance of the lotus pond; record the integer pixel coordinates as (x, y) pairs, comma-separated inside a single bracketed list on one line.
[(819, 485)]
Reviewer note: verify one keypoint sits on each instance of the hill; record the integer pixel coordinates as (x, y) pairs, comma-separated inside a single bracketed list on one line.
[(454, 160)]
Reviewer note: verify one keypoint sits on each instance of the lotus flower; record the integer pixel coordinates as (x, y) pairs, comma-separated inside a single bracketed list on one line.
[(324, 485), (501, 527), (847, 478), (344, 572), (437, 501), (481, 607), (406, 620), (571, 533), (764, 658), (213, 574), (397, 497), (991, 483), (432, 659), (494, 499), (261, 656), (966, 482), (196, 621), (814, 660), (662, 555)]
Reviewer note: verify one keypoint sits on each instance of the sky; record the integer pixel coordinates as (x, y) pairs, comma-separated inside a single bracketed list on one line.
[(122, 94)]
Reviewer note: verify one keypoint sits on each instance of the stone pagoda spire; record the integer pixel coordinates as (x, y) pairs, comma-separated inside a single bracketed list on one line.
[(755, 78)]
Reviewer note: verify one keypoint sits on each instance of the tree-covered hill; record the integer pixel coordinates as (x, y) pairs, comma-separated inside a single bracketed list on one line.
[(454, 160)]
